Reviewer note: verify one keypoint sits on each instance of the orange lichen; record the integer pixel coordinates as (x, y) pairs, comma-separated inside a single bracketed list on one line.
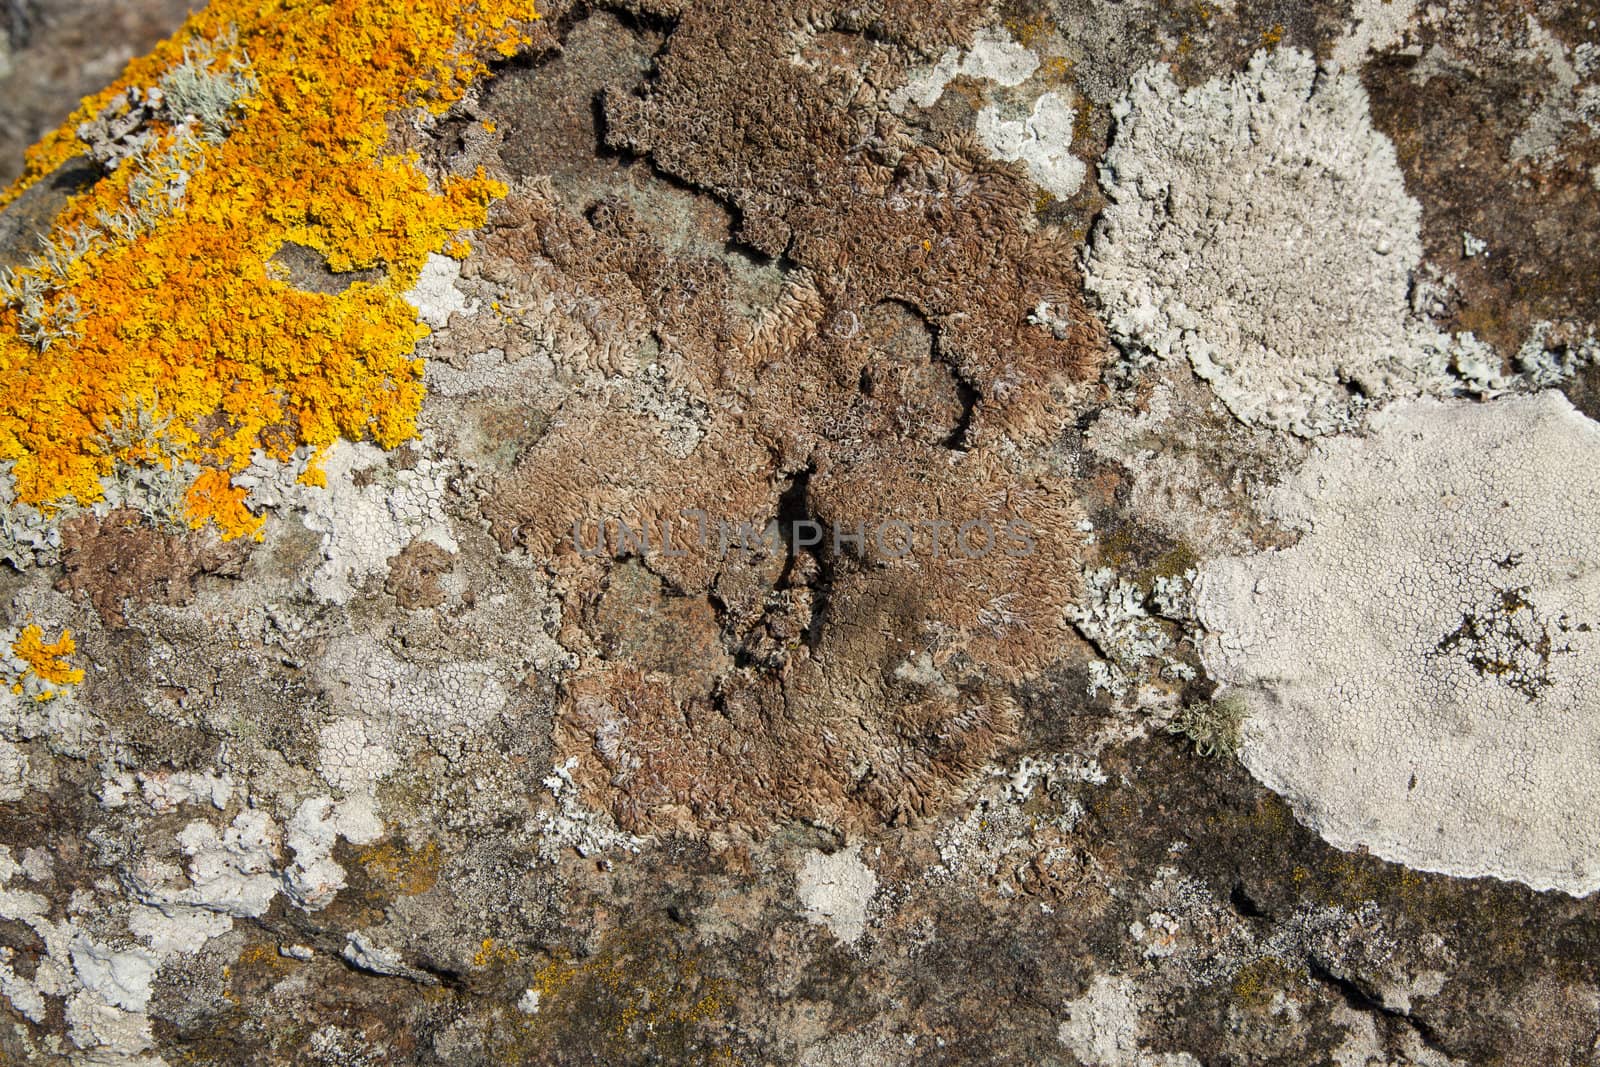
[(183, 317), (45, 662), (213, 497)]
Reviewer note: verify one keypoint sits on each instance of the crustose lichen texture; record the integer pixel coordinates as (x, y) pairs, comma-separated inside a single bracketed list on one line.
[(1249, 218), (1422, 665), (391, 759), (155, 290)]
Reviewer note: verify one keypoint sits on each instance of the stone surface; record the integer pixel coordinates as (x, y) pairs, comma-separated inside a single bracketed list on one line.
[(615, 718)]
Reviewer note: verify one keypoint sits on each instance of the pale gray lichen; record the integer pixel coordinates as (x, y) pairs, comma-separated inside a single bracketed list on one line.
[(1562, 103), (1104, 1027), (1212, 726), (31, 536), (200, 89), (198, 93), (1545, 360), (1378, 26), (1041, 140), (366, 513), (994, 56), (1249, 217), (1421, 667), (997, 840), (27, 535), (1114, 615), (1039, 135), (572, 826), (435, 296), (836, 891)]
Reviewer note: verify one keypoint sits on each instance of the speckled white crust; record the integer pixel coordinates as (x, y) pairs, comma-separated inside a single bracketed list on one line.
[(1260, 227), (837, 890), (13, 772), (1423, 667), (1042, 141)]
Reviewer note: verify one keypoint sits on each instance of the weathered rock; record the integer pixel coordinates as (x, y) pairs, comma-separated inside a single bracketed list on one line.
[(790, 613)]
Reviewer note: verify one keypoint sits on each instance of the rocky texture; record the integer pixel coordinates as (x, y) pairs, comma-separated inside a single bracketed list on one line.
[(615, 716)]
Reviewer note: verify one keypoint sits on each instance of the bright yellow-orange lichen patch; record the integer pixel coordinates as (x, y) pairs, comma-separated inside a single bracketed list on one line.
[(214, 497), (184, 319), (45, 662)]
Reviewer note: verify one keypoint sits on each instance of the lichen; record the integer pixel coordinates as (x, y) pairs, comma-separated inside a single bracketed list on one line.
[(1420, 666), (1133, 630), (154, 287), (35, 666), (1213, 727), (1248, 216)]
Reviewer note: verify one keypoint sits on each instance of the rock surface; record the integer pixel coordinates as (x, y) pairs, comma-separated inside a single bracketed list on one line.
[(760, 533)]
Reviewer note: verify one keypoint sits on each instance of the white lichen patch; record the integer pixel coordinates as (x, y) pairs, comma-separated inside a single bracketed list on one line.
[(366, 520), (1103, 1028), (1036, 133), (429, 700), (572, 826), (836, 891), (1547, 359), (1562, 104), (1040, 140), (1140, 653), (13, 772), (1421, 668), (314, 879), (1260, 228), (351, 758), (1377, 26), (435, 295), (994, 56), (231, 870)]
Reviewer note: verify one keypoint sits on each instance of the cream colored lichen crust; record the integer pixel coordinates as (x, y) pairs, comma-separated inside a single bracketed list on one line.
[(1423, 667)]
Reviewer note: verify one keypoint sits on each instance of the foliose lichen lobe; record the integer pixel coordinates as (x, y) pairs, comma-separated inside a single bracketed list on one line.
[(253, 128), (1247, 217)]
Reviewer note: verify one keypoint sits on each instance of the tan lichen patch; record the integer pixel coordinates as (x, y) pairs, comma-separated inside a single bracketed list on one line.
[(727, 679), (414, 575), (122, 558)]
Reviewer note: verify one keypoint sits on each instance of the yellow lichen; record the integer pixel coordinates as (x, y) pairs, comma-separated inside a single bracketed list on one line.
[(42, 667), (213, 497), (407, 872), (492, 954), (182, 314)]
